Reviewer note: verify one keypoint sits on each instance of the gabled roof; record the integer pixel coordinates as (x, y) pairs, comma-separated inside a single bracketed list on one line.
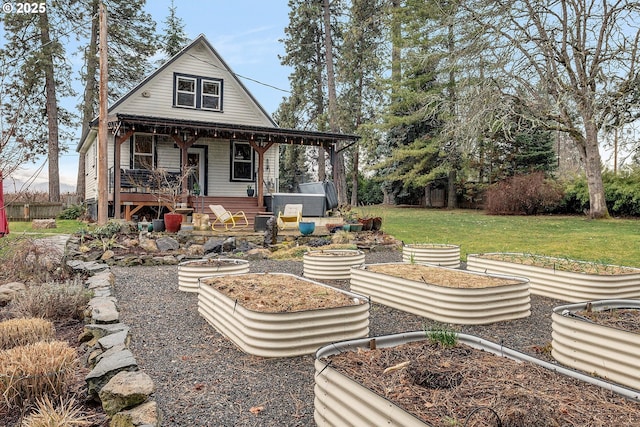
[(200, 39)]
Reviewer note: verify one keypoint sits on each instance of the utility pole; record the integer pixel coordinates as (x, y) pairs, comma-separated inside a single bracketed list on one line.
[(103, 175)]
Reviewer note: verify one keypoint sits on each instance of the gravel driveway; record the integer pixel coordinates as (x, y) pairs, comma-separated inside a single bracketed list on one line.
[(202, 379)]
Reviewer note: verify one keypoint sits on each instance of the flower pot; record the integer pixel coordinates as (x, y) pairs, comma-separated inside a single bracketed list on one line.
[(437, 254), (266, 333), (584, 344), (342, 399), (158, 225), (250, 192), (306, 227), (346, 227), (367, 223), (444, 294), (172, 222), (190, 271), (354, 228), (332, 228), (560, 278), (332, 264)]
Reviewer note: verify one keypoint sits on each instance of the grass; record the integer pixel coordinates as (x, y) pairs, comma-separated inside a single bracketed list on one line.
[(63, 226), (612, 241)]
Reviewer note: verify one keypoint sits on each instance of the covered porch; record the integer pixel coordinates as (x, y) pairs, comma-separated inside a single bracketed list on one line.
[(126, 203)]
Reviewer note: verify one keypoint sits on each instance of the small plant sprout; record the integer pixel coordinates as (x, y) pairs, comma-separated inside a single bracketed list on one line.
[(441, 334)]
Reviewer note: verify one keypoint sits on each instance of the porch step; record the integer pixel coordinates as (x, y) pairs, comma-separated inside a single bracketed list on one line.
[(249, 205)]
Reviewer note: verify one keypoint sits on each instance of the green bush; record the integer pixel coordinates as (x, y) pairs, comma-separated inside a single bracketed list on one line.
[(72, 212), (622, 194)]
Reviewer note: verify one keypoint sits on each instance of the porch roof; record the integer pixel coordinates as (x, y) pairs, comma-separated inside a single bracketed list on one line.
[(199, 129)]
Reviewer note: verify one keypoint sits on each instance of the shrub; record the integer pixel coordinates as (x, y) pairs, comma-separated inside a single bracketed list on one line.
[(53, 301), (72, 212), (36, 370), (33, 261), (63, 414), (23, 331), (523, 194)]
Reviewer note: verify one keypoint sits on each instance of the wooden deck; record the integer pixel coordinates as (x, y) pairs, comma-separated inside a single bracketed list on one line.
[(133, 203)]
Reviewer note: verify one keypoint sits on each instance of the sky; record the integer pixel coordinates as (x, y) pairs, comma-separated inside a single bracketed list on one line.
[(246, 33)]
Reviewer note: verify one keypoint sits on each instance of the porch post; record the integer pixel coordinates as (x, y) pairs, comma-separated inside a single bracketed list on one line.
[(118, 140), (184, 162), (260, 181)]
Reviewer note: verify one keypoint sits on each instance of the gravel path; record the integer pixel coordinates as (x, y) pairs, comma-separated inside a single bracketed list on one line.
[(202, 379)]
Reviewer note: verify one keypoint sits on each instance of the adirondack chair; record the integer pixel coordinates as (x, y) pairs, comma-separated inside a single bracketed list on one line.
[(227, 220), (291, 215)]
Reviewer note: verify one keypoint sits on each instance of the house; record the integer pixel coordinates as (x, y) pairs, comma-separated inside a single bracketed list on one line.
[(191, 114)]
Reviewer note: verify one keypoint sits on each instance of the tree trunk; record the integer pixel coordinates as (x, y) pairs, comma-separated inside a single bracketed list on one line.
[(593, 170), (51, 106), (339, 177), (90, 95), (452, 200)]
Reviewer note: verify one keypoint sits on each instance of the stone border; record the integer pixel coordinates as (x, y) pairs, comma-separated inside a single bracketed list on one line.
[(115, 379)]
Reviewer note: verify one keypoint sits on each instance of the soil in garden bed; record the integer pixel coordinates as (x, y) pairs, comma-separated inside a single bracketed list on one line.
[(440, 276), (563, 264), (274, 293), (463, 386), (626, 319)]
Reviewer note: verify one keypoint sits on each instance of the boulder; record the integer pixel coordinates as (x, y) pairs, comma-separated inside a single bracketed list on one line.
[(146, 415), (107, 368), (166, 244), (125, 390), (40, 224), (104, 310)]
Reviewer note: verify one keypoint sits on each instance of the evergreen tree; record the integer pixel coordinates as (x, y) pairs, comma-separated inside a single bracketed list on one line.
[(174, 37), (131, 43), (40, 74)]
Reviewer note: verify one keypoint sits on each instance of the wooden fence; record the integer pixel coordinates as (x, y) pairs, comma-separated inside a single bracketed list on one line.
[(30, 211)]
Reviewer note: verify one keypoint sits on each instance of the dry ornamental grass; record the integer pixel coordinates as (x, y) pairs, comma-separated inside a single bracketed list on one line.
[(23, 331)]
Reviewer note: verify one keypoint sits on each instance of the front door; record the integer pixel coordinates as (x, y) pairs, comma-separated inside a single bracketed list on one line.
[(196, 161)]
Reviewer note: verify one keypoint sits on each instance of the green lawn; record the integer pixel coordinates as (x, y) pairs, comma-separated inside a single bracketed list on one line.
[(614, 241)]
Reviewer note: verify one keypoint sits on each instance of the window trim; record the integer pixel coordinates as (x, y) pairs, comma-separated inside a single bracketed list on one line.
[(199, 82), (135, 153), (177, 91)]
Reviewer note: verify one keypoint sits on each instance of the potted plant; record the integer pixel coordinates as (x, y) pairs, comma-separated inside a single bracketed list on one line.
[(250, 190)]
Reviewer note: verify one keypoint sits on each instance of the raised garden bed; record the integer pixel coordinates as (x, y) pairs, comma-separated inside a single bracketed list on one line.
[(444, 294), (332, 264), (432, 253), (409, 380), (599, 337), (281, 315), (560, 278), (190, 271)]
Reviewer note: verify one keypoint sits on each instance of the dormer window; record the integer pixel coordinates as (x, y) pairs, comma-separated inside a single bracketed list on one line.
[(197, 92)]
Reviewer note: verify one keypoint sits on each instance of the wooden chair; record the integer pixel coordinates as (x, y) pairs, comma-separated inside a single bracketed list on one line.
[(292, 214), (228, 220)]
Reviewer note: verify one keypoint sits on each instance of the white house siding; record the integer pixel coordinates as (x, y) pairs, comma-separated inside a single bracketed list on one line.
[(91, 174), (238, 107)]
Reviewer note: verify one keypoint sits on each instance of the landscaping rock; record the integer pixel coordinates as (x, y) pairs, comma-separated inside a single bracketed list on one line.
[(112, 340), (145, 415), (41, 224), (125, 390), (149, 245), (8, 291), (107, 368), (103, 278), (104, 310), (213, 245), (166, 244)]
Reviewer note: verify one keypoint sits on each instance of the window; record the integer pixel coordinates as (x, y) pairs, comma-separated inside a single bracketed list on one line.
[(241, 161), (143, 151), (185, 92), (197, 92), (210, 95)]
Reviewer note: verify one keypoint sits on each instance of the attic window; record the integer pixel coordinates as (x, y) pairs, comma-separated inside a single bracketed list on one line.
[(197, 92)]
